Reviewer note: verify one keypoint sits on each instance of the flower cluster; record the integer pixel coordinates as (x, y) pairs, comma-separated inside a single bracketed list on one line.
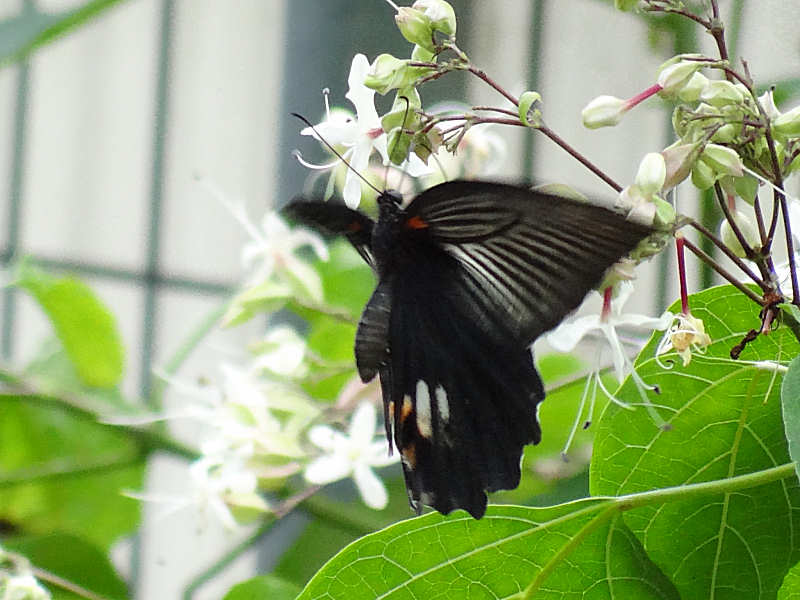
[(16, 579)]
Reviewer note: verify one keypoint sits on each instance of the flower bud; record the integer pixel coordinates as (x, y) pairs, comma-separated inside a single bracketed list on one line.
[(746, 188), (604, 111), (746, 227), (703, 176), (767, 102), (722, 159), (399, 144), (441, 14), (651, 174), (415, 26), (679, 160), (726, 133), (530, 112), (385, 73), (673, 77), (425, 144), (721, 93), (788, 123), (693, 88)]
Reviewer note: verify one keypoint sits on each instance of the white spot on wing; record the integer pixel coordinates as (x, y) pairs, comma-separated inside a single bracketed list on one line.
[(442, 405), (423, 409)]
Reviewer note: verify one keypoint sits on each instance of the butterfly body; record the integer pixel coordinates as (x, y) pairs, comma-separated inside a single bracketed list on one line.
[(469, 275)]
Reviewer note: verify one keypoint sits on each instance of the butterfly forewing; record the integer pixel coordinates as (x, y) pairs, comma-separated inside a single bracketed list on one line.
[(333, 218), (536, 255)]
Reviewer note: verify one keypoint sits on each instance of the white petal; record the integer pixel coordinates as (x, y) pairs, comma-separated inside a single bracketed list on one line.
[(362, 97), (362, 425), (644, 321), (414, 166), (617, 352), (327, 469), (378, 454), (624, 291), (325, 437), (567, 335), (370, 487), (352, 190)]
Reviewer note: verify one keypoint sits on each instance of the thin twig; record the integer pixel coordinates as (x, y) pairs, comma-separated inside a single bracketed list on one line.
[(579, 157), (729, 253), (724, 273)]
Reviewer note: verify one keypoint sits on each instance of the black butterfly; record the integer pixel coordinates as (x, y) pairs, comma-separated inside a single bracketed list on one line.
[(469, 275)]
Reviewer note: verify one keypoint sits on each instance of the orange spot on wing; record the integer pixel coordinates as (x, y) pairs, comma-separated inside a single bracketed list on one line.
[(416, 223), (405, 409), (354, 226), (409, 454)]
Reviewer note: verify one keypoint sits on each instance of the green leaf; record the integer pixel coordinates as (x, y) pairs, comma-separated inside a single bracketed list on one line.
[(790, 590), (510, 548), (790, 403), (62, 471), (85, 327), (31, 29), (264, 587), (726, 421), (74, 560)]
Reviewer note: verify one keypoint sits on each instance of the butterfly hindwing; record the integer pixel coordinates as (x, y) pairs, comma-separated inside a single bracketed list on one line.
[(463, 406)]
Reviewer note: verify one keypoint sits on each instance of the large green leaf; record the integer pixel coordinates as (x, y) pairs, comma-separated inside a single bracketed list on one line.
[(73, 560), (85, 327), (559, 550), (790, 403), (790, 590), (726, 421), (61, 471)]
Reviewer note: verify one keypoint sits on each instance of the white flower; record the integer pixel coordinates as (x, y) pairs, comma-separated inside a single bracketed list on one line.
[(270, 253), (567, 335), (686, 335), (22, 587), (282, 352), (352, 455), (359, 136)]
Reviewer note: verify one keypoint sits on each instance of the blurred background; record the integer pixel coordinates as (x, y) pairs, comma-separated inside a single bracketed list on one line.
[(108, 125)]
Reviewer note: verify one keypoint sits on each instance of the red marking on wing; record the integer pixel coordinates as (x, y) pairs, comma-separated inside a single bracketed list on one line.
[(416, 222), (354, 226)]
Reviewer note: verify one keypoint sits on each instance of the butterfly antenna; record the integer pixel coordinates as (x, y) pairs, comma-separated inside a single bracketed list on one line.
[(335, 151)]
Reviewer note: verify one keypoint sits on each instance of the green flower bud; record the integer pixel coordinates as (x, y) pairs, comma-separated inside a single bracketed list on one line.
[(725, 134), (403, 113), (746, 227), (672, 78), (788, 123), (604, 111), (722, 159), (441, 14), (420, 54), (530, 112), (427, 143), (703, 176), (415, 26), (693, 88), (665, 214), (679, 160), (651, 174), (721, 93), (389, 73), (399, 143)]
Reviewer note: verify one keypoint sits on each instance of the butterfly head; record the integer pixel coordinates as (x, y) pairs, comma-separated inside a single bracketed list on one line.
[(389, 205)]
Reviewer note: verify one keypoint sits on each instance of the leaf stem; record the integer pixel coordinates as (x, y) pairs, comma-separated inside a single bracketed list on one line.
[(723, 272)]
